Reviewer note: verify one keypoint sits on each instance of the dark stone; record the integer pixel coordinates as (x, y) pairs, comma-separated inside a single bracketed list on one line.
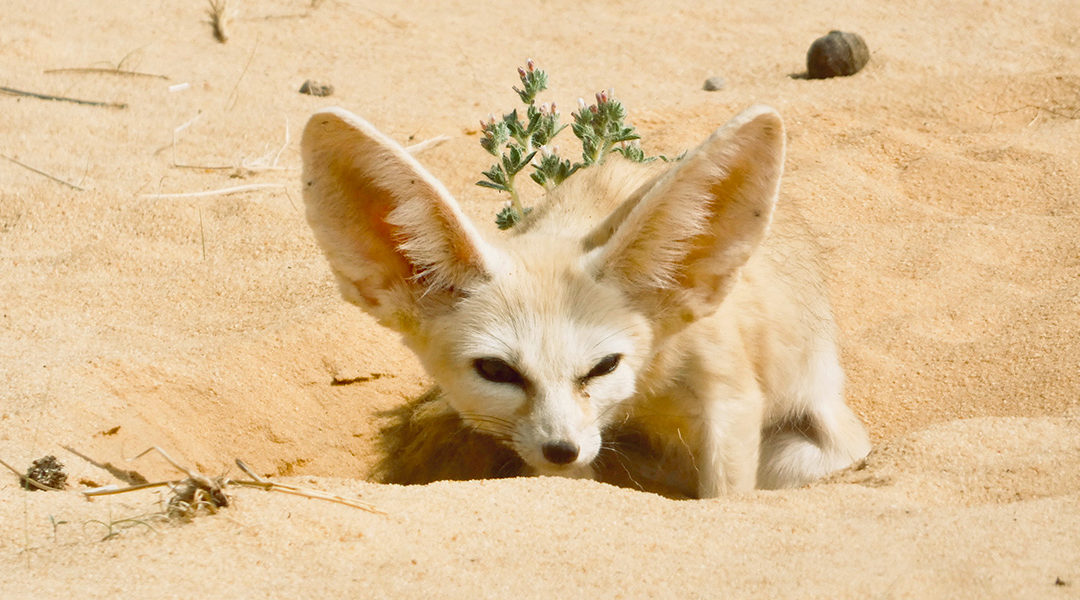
[(314, 88), (838, 54), (714, 84)]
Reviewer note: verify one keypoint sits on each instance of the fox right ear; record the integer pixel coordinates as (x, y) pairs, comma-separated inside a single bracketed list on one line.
[(678, 249), (392, 233)]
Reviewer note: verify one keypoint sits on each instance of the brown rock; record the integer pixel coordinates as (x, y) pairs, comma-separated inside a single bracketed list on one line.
[(838, 54)]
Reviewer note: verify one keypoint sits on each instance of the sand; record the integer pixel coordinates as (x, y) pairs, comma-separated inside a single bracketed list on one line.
[(943, 181)]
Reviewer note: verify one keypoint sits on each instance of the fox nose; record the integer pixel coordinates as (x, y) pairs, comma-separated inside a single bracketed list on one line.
[(561, 452)]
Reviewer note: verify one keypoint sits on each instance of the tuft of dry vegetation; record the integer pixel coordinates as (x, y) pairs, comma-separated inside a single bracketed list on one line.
[(198, 493), (219, 19), (47, 471)]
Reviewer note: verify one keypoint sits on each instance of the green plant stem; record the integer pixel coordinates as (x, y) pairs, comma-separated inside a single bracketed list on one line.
[(515, 200), (603, 152)]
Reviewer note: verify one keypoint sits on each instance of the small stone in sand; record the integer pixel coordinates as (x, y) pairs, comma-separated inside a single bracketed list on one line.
[(838, 54), (714, 84), (314, 88)]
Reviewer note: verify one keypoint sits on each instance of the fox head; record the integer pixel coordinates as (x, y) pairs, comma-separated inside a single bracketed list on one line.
[(542, 337)]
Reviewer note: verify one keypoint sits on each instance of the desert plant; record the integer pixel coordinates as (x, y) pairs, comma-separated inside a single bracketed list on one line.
[(601, 128)]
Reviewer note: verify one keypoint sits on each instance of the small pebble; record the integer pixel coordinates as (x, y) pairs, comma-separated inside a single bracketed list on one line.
[(314, 88), (838, 54), (714, 84)]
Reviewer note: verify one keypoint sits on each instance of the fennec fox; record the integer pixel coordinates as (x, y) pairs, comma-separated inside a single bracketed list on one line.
[(643, 294)]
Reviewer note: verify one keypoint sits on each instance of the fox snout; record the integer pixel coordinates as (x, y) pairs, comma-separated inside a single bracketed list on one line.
[(565, 458), (557, 457), (558, 436)]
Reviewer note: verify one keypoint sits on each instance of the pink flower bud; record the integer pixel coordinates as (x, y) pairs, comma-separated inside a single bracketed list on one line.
[(521, 73), (530, 64)]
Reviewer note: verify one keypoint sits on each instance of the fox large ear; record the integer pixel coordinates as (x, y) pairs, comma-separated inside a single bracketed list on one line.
[(678, 249), (392, 233)]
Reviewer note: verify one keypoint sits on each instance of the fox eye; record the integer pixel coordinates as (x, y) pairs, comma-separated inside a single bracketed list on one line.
[(605, 366), (497, 371)]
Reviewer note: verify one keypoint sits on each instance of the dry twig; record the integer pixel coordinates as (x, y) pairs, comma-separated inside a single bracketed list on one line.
[(247, 166), (269, 161), (172, 146), (200, 492), (270, 486), (16, 92), (233, 96), (42, 173), (104, 71)]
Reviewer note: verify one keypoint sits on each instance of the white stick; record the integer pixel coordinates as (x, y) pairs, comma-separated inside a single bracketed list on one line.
[(426, 144), (221, 192)]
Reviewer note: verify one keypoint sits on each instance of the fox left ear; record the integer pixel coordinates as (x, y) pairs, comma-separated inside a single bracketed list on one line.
[(679, 249), (393, 235)]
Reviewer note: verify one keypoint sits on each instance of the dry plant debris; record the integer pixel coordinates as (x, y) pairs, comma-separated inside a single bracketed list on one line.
[(47, 471), (42, 173), (45, 474), (198, 493), (219, 19), (194, 495), (104, 71), (15, 92)]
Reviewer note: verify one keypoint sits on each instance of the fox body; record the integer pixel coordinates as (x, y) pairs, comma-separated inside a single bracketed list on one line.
[(671, 299)]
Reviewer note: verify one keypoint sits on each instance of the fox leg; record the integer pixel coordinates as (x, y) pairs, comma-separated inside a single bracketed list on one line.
[(728, 443)]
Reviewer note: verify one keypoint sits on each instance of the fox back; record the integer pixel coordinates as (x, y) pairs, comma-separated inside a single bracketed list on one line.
[(644, 298)]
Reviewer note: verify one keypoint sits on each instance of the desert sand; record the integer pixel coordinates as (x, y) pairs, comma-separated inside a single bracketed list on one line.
[(943, 181)]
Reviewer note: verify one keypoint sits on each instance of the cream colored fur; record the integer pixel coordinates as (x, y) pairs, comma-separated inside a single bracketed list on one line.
[(727, 355)]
